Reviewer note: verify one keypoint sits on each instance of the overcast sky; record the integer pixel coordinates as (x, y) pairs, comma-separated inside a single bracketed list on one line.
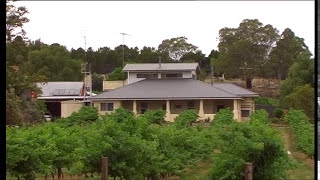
[(148, 23)]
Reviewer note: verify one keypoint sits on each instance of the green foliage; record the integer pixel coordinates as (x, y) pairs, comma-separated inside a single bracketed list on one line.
[(249, 142), (278, 112), (41, 106), (185, 118), (85, 114), (259, 116), (97, 82), (121, 115), (203, 75), (136, 148), (55, 63), (13, 112), (267, 101), (20, 109), (243, 47), (302, 131), (287, 49), (301, 98), (117, 75), (29, 151), (300, 73), (223, 117), (155, 116)]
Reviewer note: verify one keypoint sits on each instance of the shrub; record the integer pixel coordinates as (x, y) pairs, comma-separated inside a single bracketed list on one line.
[(302, 131), (155, 116), (120, 115), (260, 115), (85, 114), (185, 118), (223, 117), (267, 101), (245, 142), (278, 113)]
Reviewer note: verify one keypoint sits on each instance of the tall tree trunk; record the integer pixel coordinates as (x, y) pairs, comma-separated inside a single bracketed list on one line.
[(59, 172), (248, 83), (52, 174)]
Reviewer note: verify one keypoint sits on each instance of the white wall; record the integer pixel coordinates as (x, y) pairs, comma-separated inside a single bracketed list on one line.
[(132, 76), (187, 74)]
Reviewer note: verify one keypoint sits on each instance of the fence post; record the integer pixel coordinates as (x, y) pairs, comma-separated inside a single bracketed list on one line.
[(104, 168), (248, 171)]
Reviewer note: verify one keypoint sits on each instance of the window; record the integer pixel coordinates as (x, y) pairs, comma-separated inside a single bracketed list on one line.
[(190, 105), (148, 76), (178, 106), (178, 75), (106, 106), (220, 107), (245, 113), (143, 107)]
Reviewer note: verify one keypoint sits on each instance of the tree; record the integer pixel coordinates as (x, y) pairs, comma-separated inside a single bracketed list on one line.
[(197, 57), (78, 54), (15, 18), (301, 72), (117, 75), (55, 63), (17, 51), (287, 49), (176, 47), (301, 98), (244, 50), (148, 55), (130, 54), (97, 82)]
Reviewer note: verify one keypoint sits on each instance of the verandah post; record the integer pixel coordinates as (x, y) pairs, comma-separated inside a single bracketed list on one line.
[(248, 171)]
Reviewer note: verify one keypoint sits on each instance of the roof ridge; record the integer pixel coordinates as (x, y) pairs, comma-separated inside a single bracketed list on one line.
[(239, 87), (120, 87), (218, 88)]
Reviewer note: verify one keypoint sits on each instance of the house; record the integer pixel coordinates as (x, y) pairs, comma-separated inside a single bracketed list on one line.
[(173, 87), (62, 98)]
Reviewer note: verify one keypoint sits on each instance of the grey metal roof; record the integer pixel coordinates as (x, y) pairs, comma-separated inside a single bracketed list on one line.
[(164, 67), (234, 89), (60, 88), (167, 89)]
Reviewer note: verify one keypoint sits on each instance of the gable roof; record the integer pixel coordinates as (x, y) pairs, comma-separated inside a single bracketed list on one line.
[(234, 89), (164, 67), (158, 89), (60, 89)]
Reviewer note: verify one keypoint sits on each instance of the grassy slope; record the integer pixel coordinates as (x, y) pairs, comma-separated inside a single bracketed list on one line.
[(306, 165)]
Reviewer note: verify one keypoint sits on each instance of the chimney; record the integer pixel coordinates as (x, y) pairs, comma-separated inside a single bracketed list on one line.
[(159, 61)]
